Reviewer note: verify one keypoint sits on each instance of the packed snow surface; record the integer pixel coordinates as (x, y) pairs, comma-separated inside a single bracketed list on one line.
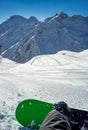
[(52, 78)]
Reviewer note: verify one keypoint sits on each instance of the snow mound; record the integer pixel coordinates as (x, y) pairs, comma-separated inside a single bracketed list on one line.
[(66, 52), (44, 60), (59, 59), (84, 54)]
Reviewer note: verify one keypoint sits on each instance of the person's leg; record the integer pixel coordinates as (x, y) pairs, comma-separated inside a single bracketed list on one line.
[(55, 121)]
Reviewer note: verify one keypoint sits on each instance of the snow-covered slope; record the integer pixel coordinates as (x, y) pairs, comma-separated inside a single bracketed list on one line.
[(60, 32), (52, 78)]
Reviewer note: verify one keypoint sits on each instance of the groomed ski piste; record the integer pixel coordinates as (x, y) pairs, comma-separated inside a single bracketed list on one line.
[(52, 78)]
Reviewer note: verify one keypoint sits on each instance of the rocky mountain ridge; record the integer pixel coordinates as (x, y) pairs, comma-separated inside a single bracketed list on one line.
[(22, 39)]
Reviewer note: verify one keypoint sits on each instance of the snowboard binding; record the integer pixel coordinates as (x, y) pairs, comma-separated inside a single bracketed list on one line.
[(62, 107), (78, 118)]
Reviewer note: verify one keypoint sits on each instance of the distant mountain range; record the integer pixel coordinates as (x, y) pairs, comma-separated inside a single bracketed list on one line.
[(21, 38)]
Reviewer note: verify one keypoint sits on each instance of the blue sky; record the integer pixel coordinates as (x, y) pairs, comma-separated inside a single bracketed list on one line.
[(41, 8)]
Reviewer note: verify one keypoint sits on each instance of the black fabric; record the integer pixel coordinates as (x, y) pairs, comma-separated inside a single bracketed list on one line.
[(55, 121)]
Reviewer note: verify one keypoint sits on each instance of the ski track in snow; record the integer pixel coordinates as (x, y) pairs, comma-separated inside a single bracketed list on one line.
[(49, 78)]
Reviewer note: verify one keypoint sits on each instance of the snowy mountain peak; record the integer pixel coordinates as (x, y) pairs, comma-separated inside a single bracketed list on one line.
[(15, 19), (63, 15), (60, 17), (22, 39), (32, 19), (78, 17)]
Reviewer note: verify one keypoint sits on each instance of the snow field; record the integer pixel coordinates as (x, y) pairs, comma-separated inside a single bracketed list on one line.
[(52, 78)]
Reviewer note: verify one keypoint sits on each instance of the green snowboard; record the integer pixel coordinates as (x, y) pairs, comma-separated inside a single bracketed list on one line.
[(31, 113)]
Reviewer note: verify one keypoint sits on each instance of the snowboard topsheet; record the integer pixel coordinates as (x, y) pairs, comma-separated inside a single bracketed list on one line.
[(31, 113)]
